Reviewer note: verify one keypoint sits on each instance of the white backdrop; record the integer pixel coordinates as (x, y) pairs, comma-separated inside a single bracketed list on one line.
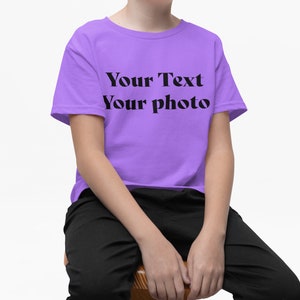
[(261, 40)]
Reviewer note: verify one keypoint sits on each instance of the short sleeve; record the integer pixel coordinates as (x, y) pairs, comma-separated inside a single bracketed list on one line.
[(78, 87), (227, 96)]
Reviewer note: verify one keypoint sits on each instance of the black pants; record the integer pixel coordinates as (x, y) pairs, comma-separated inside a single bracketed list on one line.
[(103, 256)]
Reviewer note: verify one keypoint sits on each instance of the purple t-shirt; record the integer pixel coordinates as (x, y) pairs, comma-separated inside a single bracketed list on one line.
[(157, 93)]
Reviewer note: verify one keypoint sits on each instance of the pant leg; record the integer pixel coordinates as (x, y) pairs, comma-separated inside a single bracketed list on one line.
[(102, 254), (252, 270)]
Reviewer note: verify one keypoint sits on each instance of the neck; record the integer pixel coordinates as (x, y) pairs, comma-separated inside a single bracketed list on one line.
[(146, 15)]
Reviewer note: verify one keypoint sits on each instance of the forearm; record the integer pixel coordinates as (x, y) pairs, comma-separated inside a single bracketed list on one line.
[(218, 186), (102, 178), (206, 259)]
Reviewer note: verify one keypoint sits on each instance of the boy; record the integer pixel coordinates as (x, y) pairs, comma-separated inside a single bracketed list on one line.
[(149, 98)]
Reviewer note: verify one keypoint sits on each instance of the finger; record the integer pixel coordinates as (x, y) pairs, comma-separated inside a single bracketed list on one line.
[(212, 289), (190, 270), (179, 287), (152, 289), (195, 289), (161, 291), (216, 285), (170, 290), (184, 271), (191, 295), (205, 287), (220, 283)]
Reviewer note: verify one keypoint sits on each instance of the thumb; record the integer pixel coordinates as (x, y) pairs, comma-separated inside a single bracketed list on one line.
[(184, 272)]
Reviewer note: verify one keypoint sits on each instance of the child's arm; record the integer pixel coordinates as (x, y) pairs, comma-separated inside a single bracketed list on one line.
[(164, 267), (206, 257)]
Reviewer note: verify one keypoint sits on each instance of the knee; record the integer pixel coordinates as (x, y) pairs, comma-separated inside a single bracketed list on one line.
[(99, 288), (292, 288), (285, 286), (97, 284), (279, 284)]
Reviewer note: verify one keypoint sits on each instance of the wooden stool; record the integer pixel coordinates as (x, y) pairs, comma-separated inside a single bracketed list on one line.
[(139, 289)]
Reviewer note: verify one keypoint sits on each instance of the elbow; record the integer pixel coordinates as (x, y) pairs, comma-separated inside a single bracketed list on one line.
[(225, 155)]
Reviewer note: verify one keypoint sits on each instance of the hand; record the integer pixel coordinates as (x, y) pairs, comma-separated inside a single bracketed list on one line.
[(164, 267), (205, 266)]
